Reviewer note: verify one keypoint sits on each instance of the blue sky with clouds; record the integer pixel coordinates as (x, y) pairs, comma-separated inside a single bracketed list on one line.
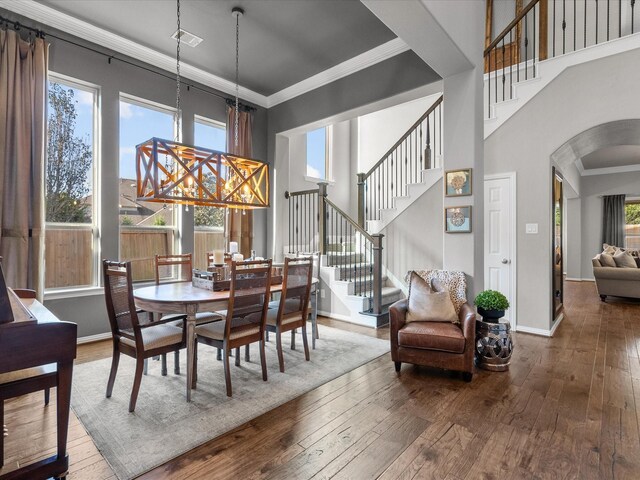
[(316, 146)]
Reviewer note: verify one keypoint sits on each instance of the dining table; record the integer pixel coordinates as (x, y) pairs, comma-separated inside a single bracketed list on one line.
[(183, 297)]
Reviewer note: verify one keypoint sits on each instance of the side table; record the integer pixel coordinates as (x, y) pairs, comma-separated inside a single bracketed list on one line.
[(494, 345)]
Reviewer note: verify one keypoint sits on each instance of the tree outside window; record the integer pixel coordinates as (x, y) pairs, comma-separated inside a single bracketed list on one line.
[(71, 244)]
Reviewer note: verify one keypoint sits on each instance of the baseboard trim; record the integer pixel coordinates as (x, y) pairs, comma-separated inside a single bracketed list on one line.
[(541, 331), (335, 316), (348, 319), (580, 279), (93, 338)]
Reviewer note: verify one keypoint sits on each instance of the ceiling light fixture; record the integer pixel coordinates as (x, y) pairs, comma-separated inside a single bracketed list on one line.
[(192, 175)]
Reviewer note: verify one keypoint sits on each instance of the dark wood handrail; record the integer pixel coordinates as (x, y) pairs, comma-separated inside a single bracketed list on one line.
[(350, 220), (404, 137), (288, 194), (509, 27)]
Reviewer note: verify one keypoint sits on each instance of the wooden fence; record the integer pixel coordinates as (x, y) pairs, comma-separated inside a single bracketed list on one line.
[(69, 252), (206, 241), (68, 257), (632, 233), (140, 245)]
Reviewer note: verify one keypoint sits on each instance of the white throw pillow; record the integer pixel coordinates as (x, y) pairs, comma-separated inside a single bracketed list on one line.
[(607, 260), (624, 260), (425, 305)]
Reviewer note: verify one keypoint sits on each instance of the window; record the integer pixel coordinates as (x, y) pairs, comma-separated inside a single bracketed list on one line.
[(71, 184), (208, 221), (318, 154), (146, 228), (632, 220)]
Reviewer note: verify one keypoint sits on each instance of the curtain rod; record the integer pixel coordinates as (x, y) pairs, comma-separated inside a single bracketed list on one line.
[(17, 26)]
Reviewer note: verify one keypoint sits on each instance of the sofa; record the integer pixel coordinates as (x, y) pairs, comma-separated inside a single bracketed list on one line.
[(616, 281)]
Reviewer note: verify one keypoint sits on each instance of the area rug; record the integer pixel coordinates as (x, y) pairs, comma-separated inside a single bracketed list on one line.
[(164, 425)]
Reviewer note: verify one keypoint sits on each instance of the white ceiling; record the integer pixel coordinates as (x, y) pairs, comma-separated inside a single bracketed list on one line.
[(282, 42)]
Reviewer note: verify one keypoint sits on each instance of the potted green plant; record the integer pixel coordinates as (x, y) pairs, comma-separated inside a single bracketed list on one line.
[(491, 305)]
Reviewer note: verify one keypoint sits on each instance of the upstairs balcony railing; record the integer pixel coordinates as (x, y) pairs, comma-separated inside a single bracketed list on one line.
[(549, 28)]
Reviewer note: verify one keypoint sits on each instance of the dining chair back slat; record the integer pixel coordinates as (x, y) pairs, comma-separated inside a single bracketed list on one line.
[(249, 296), (296, 287), (173, 268), (119, 297)]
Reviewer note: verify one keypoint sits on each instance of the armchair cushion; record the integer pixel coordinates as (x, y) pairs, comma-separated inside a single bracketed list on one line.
[(426, 305), (442, 336)]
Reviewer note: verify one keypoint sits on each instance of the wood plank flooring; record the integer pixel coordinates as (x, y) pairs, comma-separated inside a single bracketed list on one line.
[(568, 408)]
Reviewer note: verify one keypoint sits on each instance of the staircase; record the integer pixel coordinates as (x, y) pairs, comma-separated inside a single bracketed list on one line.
[(351, 251), (516, 70)]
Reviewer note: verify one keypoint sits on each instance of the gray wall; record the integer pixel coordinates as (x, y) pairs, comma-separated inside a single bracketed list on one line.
[(89, 312), (593, 188), (414, 240), (580, 98)]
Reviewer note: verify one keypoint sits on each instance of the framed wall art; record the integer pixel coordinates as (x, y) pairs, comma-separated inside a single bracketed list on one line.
[(457, 219), (457, 183)]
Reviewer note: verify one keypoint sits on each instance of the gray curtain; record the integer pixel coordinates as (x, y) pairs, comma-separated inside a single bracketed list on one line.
[(613, 220), (23, 98)]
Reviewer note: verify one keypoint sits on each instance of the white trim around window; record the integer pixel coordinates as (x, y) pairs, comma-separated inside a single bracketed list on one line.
[(96, 207)]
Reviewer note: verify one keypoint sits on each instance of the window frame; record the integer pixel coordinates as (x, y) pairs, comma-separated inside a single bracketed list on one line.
[(176, 228), (209, 122), (328, 157), (629, 201), (96, 204)]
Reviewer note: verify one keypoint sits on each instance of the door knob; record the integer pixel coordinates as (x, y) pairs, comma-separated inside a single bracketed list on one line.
[(505, 261)]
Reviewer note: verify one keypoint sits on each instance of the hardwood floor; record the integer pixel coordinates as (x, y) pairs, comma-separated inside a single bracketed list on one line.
[(568, 408)]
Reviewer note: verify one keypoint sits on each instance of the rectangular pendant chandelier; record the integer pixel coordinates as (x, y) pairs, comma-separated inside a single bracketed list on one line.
[(172, 172)]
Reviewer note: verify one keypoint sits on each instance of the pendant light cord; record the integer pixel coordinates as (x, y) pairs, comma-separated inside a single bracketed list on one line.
[(237, 77), (178, 113)]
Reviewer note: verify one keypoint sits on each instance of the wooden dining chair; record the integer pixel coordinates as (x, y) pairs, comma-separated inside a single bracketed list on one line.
[(292, 310), (133, 332), (245, 316), (178, 268)]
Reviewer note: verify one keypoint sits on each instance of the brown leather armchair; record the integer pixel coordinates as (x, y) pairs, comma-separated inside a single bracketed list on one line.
[(436, 344)]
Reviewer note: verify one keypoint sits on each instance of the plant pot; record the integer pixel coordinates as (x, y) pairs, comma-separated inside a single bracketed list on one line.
[(492, 316)]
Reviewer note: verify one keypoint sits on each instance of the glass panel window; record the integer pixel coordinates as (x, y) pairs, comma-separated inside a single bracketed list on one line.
[(208, 221), (632, 227), (318, 153), (71, 247), (146, 228)]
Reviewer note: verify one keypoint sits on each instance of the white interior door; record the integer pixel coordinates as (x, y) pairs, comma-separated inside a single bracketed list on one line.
[(499, 236)]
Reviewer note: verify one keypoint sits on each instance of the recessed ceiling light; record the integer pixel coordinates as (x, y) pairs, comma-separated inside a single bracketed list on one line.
[(187, 38)]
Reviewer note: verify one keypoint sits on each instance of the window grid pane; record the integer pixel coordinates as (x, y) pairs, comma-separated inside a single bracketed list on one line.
[(146, 228), (317, 153), (69, 181), (632, 227), (208, 221)]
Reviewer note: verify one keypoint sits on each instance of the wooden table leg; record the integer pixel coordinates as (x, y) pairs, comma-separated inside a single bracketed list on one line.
[(191, 335)]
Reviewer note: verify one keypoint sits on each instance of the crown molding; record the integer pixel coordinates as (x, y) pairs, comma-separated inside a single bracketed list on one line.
[(608, 170), (79, 28), (371, 57)]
